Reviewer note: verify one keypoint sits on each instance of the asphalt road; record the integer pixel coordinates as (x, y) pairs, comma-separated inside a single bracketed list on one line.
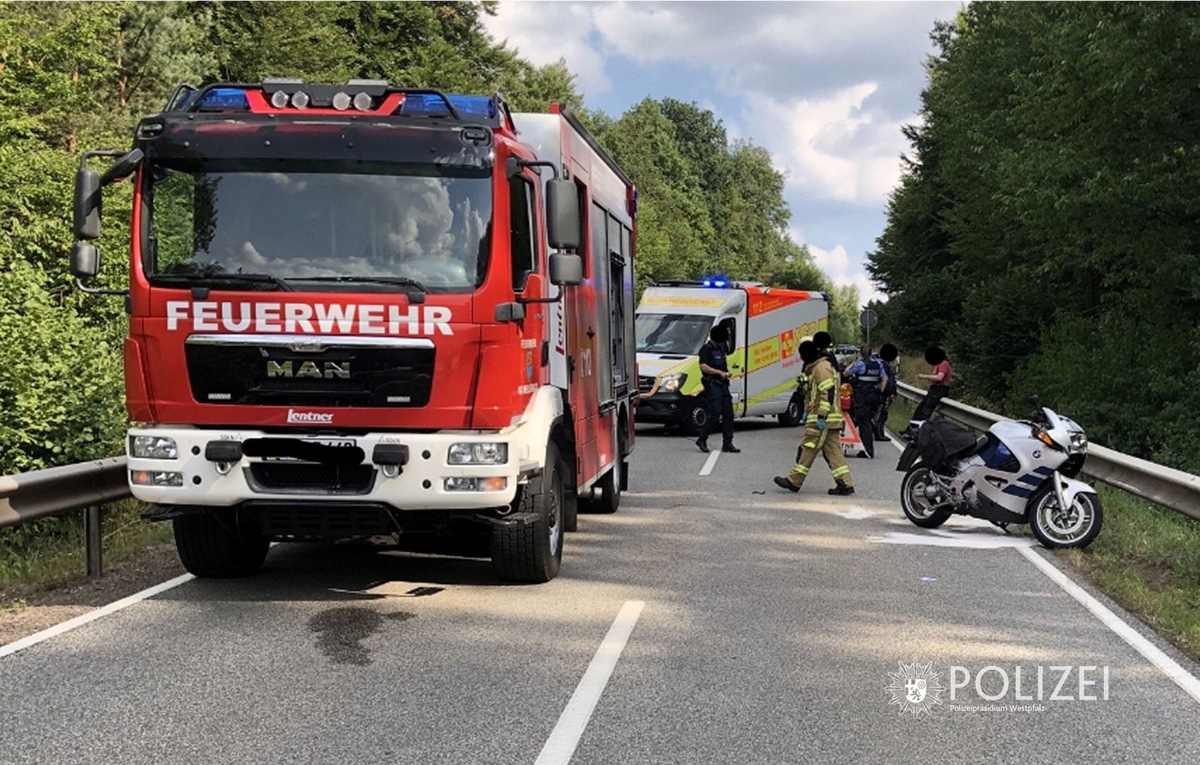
[(757, 626)]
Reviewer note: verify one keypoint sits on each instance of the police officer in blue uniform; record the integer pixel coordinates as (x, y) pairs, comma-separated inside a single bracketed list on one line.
[(869, 377), (714, 369)]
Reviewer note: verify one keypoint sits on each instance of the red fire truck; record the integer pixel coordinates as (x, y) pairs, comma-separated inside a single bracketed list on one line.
[(363, 311)]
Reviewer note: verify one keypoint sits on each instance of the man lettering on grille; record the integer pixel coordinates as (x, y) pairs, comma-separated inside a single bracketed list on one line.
[(823, 426)]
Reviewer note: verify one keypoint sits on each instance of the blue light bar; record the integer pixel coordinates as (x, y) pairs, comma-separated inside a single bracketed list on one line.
[(428, 103), (224, 99)]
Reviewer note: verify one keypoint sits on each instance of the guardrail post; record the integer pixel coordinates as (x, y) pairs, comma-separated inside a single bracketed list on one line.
[(93, 541)]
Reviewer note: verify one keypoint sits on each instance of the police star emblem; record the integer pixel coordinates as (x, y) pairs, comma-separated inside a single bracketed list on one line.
[(915, 688)]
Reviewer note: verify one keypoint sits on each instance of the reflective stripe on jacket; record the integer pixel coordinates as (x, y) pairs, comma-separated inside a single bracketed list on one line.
[(823, 394)]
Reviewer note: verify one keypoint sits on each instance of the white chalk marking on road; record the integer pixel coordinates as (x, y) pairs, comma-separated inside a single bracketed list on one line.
[(855, 513), (560, 747), (92, 616), (710, 463), (1169, 667), (938, 538)]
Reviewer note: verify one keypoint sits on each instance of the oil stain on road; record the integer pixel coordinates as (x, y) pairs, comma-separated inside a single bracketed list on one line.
[(341, 632)]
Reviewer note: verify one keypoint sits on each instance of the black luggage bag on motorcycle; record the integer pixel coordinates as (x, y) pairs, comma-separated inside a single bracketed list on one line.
[(935, 443)]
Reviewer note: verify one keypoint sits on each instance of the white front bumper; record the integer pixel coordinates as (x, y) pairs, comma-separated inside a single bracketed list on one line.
[(419, 486)]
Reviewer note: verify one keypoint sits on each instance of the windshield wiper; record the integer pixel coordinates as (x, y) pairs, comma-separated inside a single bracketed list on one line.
[(403, 281), (200, 279)]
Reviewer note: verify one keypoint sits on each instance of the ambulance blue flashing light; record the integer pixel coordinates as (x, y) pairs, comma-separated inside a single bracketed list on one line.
[(715, 283)]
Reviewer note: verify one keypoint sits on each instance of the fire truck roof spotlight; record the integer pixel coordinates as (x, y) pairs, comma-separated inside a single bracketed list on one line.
[(362, 102), (300, 99), (341, 101), (279, 99)]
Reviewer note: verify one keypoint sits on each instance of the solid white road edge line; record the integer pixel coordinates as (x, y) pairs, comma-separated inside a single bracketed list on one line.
[(560, 747), (92, 616), (710, 463), (1153, 653)]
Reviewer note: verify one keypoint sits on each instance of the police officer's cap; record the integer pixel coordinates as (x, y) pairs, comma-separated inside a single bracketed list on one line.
[(809, 351), (934, 355), (822, 339), (888, 352)]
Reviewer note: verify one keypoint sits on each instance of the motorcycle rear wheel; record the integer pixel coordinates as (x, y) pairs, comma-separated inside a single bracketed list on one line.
[(1076, 527), (916, 501)]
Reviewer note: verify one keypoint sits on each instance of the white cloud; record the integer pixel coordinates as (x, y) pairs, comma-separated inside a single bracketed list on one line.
[(839, 148), (843, 270), (543, 33)]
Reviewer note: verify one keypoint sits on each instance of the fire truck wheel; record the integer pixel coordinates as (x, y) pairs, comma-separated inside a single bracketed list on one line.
[(219, 544), (529, 548)]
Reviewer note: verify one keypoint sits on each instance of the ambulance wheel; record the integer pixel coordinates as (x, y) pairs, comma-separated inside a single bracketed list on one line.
[(791, 416), (697, 418), (219, 543)]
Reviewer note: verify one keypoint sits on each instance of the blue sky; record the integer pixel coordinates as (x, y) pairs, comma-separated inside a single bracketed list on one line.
[(824, 86)]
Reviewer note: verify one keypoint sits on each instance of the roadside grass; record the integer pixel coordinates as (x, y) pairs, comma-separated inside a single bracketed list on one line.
[(1146, 558), (50, 553)]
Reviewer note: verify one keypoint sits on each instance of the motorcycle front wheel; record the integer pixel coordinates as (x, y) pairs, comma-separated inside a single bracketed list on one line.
[(1076, 526), (919, 494)]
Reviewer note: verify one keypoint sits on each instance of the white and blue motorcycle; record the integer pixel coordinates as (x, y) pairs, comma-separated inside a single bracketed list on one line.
[(1018, 472)]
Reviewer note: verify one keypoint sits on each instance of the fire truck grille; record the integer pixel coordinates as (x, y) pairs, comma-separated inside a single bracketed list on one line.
[(271, 373), (645, 384), (308, 477)]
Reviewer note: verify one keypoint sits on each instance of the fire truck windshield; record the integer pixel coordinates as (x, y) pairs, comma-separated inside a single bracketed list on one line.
[(672, 333), (323, 227)]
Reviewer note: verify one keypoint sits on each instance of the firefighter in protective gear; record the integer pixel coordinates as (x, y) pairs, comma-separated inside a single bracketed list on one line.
[(823, 425)]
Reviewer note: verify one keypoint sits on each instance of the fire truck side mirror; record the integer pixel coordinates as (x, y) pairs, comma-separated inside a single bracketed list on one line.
[(562, 215), (87, 204), (85, 260), (566, 270)]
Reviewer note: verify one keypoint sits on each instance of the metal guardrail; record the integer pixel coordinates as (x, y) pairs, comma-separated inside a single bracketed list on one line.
[(1162, 485), (54, 491)]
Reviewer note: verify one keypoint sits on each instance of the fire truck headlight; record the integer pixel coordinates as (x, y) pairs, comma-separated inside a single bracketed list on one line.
[(153, 448), (478, 454), (155, 478), (671, 383), (494, 483)]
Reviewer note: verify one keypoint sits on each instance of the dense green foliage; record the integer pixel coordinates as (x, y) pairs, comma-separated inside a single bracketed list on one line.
[(77, 76), (1046, 227)]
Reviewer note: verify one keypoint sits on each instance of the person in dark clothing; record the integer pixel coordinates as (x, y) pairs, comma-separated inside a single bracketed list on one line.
[(888, 355), (715, 370), (868, 376), (939, 383), (824, 342)]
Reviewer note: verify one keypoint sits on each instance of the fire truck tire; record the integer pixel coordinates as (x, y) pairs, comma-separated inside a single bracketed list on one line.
[(625, 475), (214, 544), (570, 510), (609, 484), (529, 547)]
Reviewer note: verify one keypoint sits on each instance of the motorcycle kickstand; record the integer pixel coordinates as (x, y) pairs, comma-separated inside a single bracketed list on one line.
[(1003, 525)]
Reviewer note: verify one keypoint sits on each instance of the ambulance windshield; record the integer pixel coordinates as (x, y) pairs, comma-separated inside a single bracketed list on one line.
[(672, 333), (320, 226)]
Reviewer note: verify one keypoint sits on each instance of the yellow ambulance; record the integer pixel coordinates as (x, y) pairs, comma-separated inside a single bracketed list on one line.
[(765, 328)]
